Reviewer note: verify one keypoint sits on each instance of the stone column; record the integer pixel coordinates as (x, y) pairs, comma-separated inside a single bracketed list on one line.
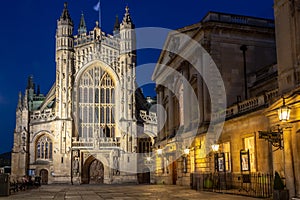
[(288, 162), (170, 111), (200, 91), (186, 100), (160, 115)]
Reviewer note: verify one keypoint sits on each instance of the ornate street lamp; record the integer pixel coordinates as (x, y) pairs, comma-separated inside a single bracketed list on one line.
[(275, 134), (148, 158), (284, 112), (186, 151), (215, 147), (159, 151)]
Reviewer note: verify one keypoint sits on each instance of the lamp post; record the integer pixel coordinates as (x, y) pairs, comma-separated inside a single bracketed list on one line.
[(148, 158), (215, 149), (186, 152), (159, 152)]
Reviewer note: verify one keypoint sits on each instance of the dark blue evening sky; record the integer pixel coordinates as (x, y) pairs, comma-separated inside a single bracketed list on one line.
[(27, 32)]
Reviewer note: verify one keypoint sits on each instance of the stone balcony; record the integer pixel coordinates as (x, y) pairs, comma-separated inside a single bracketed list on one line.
[(248, 105)]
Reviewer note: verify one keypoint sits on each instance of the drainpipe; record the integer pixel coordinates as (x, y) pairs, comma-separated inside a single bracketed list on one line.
[(244, 48)]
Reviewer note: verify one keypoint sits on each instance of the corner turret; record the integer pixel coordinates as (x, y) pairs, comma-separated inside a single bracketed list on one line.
[(64, 31), (64, 64), (127, 34), (127, 21)]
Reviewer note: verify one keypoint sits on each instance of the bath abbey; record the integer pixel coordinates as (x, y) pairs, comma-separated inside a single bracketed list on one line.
[(86, 128)]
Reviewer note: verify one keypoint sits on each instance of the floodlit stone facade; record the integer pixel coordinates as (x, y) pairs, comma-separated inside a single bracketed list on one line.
[(222, 37), (259, 80), (85, 130)]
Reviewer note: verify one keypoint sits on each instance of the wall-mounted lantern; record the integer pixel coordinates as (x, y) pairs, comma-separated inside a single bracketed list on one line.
[(159, 151), (275, 134), (284, 112), (215, 147)]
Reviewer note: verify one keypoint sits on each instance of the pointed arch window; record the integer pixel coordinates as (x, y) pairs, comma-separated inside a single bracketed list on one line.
[(44, 148), (99, 112)]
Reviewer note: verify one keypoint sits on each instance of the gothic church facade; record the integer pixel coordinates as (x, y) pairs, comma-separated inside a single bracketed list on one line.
[(85, 129)]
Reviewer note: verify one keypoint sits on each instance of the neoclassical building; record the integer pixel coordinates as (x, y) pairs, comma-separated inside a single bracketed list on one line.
[(85, 130), (228, 45), (259, 79)]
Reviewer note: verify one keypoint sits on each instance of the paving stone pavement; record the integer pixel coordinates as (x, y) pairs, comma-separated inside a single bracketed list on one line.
[(119, 192)]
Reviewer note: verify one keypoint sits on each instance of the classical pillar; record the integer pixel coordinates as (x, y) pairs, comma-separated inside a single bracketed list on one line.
[(160, 115), (170, 111), (200, 91), (186, 100), (288, 162)]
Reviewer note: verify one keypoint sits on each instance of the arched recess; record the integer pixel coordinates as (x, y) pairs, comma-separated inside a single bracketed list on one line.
[(44, 176), (40, 133), (94, 171), (96, 108), (44, 148)]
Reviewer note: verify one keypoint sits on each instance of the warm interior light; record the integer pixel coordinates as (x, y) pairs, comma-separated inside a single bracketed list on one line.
[(215, 147), (284, 112), (148, 158)]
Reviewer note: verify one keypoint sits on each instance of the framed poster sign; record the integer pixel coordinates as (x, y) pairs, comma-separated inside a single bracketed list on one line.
[(245, 160), (220, 162)]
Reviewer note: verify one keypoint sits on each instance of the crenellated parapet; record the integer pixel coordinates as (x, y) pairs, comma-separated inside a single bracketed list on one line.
[(89, 47)]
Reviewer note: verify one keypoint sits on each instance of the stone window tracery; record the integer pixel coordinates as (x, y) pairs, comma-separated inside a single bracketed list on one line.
[(44, 148), (96, 104)]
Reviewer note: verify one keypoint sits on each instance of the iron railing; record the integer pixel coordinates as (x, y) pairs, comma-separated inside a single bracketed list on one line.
[(251, 184)]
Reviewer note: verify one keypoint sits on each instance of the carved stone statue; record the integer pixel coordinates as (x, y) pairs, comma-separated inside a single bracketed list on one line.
[(116, 169), (75, 166)]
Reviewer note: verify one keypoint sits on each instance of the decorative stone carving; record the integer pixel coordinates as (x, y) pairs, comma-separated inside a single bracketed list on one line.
[(75, 165)]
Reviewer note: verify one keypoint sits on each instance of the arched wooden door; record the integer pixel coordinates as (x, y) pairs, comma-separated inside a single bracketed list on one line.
[(44, 176), (96, 172)]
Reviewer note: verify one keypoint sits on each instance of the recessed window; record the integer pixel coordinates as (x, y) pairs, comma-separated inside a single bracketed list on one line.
[(97, 106), (44, 148)]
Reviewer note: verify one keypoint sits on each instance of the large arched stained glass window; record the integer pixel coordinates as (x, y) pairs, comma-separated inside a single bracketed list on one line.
[(96, 104), (44, 148)]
